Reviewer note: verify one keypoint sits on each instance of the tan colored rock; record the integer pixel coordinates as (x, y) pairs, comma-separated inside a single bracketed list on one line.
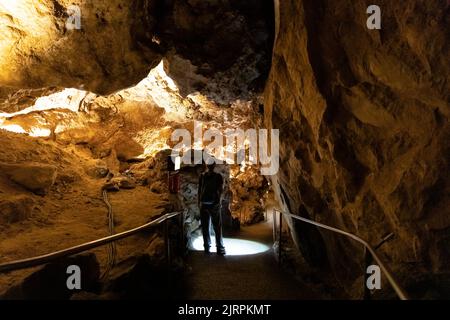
[(126, 148), (100, 170), (158, 187), (35, 177), (363, 119), (15, 209), (111, 39), (124, 182)]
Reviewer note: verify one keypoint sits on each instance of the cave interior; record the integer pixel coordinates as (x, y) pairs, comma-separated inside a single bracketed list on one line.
[(91, 111)]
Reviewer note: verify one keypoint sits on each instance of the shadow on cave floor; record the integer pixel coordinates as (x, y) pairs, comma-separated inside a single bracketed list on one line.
[(244, 277)]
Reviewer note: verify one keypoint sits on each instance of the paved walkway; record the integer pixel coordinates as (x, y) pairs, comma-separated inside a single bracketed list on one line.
[(244, 277)]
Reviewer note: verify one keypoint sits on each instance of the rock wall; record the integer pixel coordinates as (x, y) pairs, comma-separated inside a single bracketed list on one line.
[(120, 41), (363, 119), (213, 34), (38, 50)]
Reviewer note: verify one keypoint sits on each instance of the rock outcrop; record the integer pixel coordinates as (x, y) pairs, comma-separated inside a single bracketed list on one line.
[(120, 41), (35, 177), (15, 209), (363, 119), (37, 49)]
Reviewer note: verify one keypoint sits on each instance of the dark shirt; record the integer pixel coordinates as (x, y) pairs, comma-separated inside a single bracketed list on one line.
[(210, 183)]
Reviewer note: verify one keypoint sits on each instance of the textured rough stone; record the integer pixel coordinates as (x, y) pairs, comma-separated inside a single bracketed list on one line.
[(37, 50), (36, 177), (126, 148), (124, 182), (98, 171), (364, 127), (121, 40), (15, 209)]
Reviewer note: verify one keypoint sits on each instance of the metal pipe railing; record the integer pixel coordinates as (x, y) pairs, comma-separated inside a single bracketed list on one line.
[(46, 258), (397, 288)]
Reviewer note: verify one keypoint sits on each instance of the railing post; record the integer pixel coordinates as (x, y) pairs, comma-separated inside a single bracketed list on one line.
[(274, 225), (280, 236), (167, 242), (182, 246), (367, 263)]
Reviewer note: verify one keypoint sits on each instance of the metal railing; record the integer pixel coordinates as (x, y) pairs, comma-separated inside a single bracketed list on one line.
[(369, 251), (46, 258)]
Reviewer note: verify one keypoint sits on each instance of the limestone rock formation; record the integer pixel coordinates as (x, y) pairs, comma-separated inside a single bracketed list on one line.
[(15, 209), (37, 49), (363, 119), (121, 40), (36, 177)]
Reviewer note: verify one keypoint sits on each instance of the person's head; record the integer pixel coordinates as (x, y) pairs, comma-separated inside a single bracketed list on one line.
[(210, 167)]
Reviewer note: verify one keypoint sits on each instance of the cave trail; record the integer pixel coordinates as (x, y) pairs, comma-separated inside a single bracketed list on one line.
[(256, 276)]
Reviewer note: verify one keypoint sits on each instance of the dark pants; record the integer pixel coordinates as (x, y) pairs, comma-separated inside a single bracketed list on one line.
[(211, 212)]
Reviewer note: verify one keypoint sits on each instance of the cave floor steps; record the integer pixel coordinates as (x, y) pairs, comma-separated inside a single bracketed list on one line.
[(243, 277)]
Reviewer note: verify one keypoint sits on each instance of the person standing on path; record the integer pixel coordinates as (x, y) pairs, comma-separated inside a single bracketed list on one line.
[(210, 189)]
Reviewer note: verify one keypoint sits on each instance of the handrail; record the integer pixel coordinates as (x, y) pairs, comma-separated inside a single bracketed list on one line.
[(43, 259), (397, 288)]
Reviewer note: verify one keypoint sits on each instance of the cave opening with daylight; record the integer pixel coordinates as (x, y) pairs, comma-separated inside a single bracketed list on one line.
[(327, 123)]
